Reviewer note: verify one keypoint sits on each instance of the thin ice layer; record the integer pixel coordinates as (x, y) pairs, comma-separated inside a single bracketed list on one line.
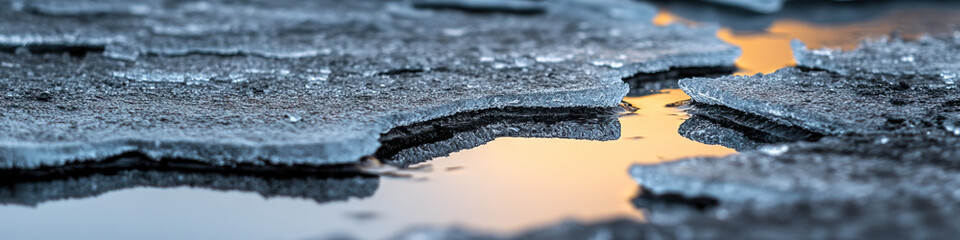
[(228, 94), (423, 141), (876, 168), (723, 126), (831, 103)]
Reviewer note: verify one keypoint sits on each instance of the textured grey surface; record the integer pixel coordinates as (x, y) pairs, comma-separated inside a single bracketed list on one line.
[(296, 82), (831, 103), (882, 168), (929, 57)]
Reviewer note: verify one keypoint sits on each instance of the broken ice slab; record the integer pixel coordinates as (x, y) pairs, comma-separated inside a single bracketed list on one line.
[(213, 97), (718, 125), (420, 142), (930, 57), (36, 186), (831, 103), (874, 167)]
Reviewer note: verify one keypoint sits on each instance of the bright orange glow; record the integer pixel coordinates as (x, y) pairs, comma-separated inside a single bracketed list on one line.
[(768, 51)]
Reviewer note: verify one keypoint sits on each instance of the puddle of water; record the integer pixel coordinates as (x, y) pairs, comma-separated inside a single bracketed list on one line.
[(507, 185)]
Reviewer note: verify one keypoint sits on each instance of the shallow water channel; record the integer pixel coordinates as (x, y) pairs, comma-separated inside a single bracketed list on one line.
[(504, 186)]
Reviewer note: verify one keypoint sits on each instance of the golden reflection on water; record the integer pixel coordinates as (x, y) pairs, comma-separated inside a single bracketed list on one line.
[(765, 52)]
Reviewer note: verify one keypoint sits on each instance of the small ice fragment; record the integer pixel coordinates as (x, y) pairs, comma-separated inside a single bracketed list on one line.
[(292, 118), (614, 32), (774, 150), (550, 59), (948, 77), (323, 76), (9, 65), (499, 65), (521, 62), (454, 32), (486, 59), (952, 126), (608, 63), (906, 59), (822, 52)]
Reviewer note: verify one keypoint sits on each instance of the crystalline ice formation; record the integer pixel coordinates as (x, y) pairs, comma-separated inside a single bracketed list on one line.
[(220, 82)]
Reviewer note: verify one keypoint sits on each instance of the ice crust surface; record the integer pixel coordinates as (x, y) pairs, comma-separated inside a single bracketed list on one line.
[(835, 168), (304, 82), (832, 103), (930, 57)]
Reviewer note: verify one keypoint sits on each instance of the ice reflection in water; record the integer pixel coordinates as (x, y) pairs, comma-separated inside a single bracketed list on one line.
[(507, 185)]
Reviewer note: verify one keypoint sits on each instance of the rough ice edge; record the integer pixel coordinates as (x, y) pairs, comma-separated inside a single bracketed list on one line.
[(603, 131), (776, 113), (25, 155), (657, 181), (813, 58)]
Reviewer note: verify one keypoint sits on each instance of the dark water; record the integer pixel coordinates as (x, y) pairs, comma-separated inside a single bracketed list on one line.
[(504, 186)]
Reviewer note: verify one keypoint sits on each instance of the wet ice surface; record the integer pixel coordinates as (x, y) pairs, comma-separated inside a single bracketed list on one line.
[(882, 168), (719, 125), (930, 57), (507, 187), (307, 85), (824, 102)]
